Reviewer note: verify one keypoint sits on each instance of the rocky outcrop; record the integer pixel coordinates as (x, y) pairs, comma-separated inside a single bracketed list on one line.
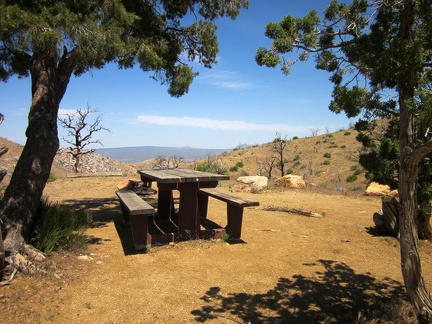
[(92, 163), (291, 181)]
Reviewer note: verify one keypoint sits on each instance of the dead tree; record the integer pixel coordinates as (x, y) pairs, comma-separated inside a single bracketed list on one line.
[(267, 165), (278, 147), (76, 123)]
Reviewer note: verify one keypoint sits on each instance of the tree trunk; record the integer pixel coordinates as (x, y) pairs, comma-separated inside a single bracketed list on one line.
[(410, 258), (77, 163), (410, 160), (23, 194)]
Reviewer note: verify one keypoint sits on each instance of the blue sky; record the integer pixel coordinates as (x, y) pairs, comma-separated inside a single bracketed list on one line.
[(235, 102)]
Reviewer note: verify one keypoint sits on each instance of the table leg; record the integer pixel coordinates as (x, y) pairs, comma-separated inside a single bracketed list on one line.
[(189, 224), (165, 204)]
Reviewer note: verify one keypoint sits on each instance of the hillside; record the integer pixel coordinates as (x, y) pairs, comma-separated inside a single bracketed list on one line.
[(324, 161)]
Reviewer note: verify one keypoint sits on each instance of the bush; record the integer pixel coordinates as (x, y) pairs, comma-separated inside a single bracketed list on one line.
[(213, 167), (347, 133), (239, 164), (234, 168), (353, 167), (57, 227), (327, 155), (326, 162), (351, 178), (357, 172), (52, 177)]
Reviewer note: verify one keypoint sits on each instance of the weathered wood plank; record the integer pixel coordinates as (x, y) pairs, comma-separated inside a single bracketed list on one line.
[(180, 175), (228, 198), (134, 204)]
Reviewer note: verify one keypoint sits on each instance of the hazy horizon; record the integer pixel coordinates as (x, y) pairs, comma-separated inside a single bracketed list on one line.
[(141, 153)]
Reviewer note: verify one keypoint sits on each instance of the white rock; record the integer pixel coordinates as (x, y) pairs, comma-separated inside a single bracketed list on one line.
[(247, 183)]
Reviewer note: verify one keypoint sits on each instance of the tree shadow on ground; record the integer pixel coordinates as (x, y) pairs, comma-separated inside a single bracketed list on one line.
[(104, 211), (335, 295)]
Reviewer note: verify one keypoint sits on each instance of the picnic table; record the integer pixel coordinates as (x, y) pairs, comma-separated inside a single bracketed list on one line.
[(188, 183)]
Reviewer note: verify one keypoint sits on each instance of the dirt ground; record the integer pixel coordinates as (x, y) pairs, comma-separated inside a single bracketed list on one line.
[(289, 269)]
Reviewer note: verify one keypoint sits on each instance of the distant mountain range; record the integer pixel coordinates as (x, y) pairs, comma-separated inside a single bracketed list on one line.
[(142, 153)]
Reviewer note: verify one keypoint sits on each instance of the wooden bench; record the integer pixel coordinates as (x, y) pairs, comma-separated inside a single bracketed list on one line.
[(235, 207), (136, 211)]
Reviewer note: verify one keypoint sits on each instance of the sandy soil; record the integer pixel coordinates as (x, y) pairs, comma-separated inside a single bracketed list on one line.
[(290, 268)]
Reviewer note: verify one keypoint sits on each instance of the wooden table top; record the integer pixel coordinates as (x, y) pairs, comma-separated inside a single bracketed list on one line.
[(180, 175)]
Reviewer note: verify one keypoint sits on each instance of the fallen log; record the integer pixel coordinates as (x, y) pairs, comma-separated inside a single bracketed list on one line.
[(293, 211)]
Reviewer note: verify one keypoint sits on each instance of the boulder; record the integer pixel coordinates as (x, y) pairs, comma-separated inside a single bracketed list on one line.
[(249, 183), (291, 181), (376, 189)]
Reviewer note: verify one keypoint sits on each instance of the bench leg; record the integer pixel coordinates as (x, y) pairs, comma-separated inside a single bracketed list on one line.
[(235, 219), (125, 213), (202, 205), (140, 234)]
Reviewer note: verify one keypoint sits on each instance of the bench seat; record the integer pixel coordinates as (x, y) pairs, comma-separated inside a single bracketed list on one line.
[(136, 211), (235, 206)]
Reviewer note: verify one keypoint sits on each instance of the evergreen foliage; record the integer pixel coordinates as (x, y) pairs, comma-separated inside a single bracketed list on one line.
[(379, 55)]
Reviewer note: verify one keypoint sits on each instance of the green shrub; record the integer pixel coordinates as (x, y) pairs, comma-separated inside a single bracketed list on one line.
[(289, 171), (355, 168), (343, 146), (234, 168), (52, 177), (225, 237), (327, 155), (58, 227), (351, 178), (357, 172), (326, 162), (295, 137), (239, 164), (296, 158), (347, 133), (214, 167)]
